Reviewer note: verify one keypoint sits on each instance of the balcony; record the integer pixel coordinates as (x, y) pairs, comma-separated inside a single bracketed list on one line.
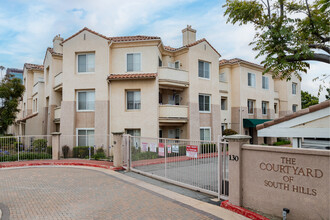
[(173, 114), (173, 77), (57, 114), (58, 81)]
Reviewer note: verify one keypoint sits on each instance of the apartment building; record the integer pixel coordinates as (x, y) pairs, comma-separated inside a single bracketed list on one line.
[(249, 98), (93, 85)]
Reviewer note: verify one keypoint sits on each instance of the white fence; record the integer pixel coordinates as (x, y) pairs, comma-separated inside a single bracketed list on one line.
[(17, 148), (197, 165)]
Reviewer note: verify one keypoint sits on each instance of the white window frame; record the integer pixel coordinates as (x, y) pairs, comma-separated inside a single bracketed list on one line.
[(252, 106), (126, 103), (77, 101), (209, 128), (210, 104), (133, 66), (85, 129), (223, 78), (253, 85), (262, 102), (295, 90), (77, 63), (266, 80), (200, 77)]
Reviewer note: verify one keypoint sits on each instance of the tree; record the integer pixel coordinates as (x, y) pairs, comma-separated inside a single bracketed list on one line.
[(288, 32), (11, 90), (308, 100)]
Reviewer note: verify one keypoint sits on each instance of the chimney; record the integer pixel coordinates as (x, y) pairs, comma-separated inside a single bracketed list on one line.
[(57, 48), (188, 35)]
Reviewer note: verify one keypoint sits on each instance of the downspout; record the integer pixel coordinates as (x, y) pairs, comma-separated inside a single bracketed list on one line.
[(240, 99)]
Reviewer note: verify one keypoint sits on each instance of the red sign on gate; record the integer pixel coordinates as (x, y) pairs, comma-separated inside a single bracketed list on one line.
[(192, 151), (161, 149)]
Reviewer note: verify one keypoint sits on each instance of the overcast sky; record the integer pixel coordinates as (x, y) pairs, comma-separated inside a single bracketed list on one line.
[(28, 27)]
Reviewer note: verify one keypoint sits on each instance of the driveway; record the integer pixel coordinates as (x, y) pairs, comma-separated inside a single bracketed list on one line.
[(78, 193)]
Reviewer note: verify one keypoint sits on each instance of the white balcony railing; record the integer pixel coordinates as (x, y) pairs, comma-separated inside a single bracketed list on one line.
[(57, 113), (58, 79), (174, 75), (173, 111)]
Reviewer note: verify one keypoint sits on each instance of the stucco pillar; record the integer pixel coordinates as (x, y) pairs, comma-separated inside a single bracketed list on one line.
[(235, 167), (56, 145), (117, 149)]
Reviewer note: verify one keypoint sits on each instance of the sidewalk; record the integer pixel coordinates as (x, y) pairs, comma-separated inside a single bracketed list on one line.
[(63, 162)]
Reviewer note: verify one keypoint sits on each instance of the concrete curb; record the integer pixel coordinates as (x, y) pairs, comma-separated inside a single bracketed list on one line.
[(242, 211)]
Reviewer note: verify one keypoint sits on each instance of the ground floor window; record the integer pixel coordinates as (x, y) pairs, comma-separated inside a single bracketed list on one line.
[(85, 136), (135, 140), (205, 134)]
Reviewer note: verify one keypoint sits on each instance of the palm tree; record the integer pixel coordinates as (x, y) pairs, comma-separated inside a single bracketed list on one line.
[(1, 68)]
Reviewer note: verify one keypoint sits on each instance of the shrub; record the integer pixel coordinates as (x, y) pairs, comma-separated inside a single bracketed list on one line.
[(227, 132), (65, 151), (24, 156), (99, 154), (82, 151), (7, 141), (182, 152), (281, 142), (49, 150), (208, 148), (39, 144)]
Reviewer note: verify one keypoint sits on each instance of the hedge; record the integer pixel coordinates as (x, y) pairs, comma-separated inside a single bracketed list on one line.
[(82, 152), (25, 156)]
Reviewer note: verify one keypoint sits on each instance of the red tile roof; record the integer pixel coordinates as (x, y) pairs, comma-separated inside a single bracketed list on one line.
[(85, 29), (30, 66), (133, 38), (51, 50), (27, 117), (236, 61), (132, 76), (191, 45), (299, 113)]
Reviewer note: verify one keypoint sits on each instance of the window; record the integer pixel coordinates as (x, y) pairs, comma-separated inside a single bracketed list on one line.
[(204, 103), (174, 133), (264, 107), (252, 80), (205, 134), (223, 103), (294, 88), (250, 106), (175, 65), (160, 62), (133, 62), (265, 82), (275, 108), (203, 69), (35, 105), (294, 108), (86, 63), (85, 136), (222, 77), (136, 133), (86, 101), (133, 100)]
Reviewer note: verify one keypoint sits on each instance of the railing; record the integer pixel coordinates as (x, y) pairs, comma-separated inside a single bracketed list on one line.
[(193, 164), (173, 111), (57, 113), (171, 74), (17, 148), (58, 79)]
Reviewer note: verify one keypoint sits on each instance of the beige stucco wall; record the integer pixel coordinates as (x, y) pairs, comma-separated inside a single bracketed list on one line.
[(145, 118), (304, 191)]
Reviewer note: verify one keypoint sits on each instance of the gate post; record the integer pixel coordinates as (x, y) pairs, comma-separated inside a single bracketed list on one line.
[(56, 145), (235, 167), (117, 149)]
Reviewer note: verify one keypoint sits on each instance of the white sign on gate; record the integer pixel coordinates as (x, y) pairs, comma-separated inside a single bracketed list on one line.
[(175, 149), (153, 147), (191, 151)]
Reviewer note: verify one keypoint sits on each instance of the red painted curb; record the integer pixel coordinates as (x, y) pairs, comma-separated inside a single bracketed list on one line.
[(242, 211), (116, 168), (29, 163)]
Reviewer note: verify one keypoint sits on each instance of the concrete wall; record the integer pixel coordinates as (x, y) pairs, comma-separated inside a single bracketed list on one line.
[(274, 178)]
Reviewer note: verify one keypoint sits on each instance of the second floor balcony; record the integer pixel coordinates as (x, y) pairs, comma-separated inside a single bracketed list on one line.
[(173, 77), (173, 113), (58, 81)]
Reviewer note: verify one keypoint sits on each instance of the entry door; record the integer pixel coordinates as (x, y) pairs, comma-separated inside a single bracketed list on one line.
[(171, 133)]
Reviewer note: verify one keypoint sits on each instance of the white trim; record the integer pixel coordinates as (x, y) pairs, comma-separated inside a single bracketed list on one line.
[(77, 66), (252, 106), (255, 80), (133, 90), (86, 129), (209, 103), (209, 69), (294, 132), (210, 133), (140, 62), (266, 108), (77, 101), (267, 82)]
